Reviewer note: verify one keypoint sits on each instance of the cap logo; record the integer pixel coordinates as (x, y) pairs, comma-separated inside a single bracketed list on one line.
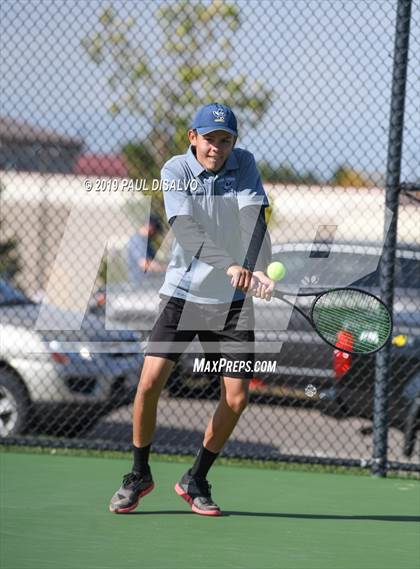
[(219, 115)]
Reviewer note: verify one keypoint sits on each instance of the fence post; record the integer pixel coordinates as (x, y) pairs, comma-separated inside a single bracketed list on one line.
[(383, 358)]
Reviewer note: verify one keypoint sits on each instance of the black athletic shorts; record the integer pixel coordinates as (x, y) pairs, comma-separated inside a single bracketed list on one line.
[(225, 331)]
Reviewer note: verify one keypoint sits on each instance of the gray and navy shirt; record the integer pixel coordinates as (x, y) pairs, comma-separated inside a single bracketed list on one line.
[(213, 201)]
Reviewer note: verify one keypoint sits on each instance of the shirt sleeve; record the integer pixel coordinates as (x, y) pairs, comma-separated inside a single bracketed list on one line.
[(176, 194), (250, 190), (189, 234), (255, 237), (192, 237)]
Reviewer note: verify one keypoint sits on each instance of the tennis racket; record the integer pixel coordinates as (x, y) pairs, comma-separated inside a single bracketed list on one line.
[(349, 319)]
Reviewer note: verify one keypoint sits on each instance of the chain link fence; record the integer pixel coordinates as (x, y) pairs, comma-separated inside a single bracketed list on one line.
[(95, 98)]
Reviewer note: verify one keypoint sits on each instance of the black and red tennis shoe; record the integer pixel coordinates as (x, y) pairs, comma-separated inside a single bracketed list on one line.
[(197, 492), (134, 487)]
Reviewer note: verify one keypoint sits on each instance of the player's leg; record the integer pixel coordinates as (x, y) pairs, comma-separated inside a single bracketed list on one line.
[(193, 486), (156, 370), (139, 481), (233, 401), (236, 343), (155, 373)]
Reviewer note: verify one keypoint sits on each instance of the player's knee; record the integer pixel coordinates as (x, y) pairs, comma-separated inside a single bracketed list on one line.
[(237, 402), (153, 377), (149, 387)]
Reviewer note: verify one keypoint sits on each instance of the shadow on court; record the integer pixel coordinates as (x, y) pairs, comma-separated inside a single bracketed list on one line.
[(325, 516), (284, 515)]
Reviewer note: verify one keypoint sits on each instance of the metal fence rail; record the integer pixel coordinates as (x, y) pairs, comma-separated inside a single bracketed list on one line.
[(95, 98)]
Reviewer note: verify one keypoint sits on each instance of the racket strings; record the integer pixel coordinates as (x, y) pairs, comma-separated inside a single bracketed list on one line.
[(363, 317)]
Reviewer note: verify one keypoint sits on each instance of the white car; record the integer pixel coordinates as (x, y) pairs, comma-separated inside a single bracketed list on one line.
[(64, 379)]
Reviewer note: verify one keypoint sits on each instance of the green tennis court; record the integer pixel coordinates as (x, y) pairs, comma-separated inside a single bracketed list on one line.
[(54, 515)]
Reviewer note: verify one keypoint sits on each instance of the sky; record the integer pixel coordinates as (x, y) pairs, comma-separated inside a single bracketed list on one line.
[(327, 62)]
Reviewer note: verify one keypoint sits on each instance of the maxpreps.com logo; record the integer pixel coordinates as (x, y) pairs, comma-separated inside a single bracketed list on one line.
[(219, 115)]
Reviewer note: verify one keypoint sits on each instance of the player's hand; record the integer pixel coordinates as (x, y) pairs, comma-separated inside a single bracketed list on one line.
[(240, 277), (262, 286)]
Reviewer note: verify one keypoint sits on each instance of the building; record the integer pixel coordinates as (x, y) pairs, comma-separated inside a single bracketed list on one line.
[(107, 165), (30, 148)]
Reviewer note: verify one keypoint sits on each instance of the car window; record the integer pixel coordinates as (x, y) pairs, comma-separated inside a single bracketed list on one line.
[(305, 269), (343, 269), (406, 275), (371, 280)]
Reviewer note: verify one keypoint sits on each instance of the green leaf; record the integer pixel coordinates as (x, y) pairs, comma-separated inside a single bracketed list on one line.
[(117, 37), (114, 109), (107, 17), (140, 70)]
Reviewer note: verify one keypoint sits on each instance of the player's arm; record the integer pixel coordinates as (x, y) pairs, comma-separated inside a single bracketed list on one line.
[(257, 244), (252, 202), (255, 237)]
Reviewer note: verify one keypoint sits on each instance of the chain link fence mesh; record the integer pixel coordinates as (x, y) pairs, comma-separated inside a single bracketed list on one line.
[(95, 98)]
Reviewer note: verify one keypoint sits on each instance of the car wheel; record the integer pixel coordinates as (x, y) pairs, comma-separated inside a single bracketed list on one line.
[(14, 404)]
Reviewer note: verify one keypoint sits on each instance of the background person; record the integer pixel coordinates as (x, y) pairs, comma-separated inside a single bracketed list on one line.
[(141, 253)]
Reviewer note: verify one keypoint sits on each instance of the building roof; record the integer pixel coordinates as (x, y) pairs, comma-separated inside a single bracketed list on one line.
[(101, 165), (17, 130)]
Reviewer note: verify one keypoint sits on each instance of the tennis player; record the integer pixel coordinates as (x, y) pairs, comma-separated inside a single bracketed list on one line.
[(215, 204)]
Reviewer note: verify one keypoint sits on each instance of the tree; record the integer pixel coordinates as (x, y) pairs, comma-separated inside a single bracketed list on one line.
[(348, 177), (285, 174), (165, 82), (9, 261)]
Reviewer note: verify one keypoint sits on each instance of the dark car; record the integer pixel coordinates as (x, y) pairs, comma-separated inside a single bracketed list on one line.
[(61, 378), (304, 363), (352, 390)]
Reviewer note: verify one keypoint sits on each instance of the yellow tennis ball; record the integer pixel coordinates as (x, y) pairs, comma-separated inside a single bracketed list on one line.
[(276, 271)]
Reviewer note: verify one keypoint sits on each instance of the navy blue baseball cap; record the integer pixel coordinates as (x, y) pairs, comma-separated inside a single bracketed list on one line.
[(215, 116)]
